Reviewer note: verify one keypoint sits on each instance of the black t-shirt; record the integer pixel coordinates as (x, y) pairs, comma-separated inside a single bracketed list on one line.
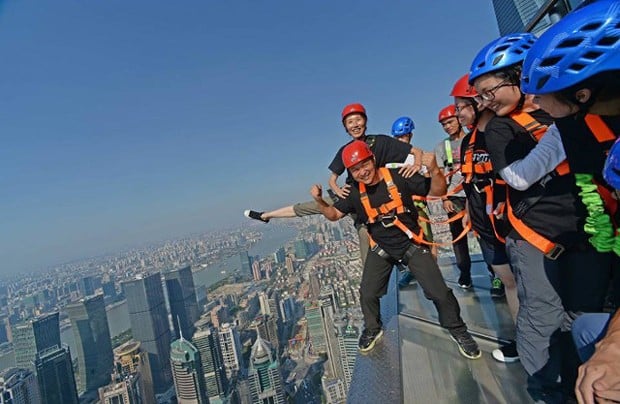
[(480, 220), (385, 148), (584, 153), (555, 209), (391, 239)]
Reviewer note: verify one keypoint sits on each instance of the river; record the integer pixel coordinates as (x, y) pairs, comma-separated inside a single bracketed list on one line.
[(273, 238)]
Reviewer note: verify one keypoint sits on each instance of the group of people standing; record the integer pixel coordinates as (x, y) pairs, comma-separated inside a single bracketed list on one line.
[(531, 157)]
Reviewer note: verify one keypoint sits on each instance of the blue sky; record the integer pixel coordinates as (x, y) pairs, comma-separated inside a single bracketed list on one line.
[(129, 122)]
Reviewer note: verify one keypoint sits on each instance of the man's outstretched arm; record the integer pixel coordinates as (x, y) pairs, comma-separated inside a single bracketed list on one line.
[(327, 210)]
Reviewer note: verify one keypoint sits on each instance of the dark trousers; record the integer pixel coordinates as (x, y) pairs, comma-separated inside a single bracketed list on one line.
[(461, 249), (374, 284)]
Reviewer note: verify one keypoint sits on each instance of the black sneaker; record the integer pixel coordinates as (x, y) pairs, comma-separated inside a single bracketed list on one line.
[(497, 288), (467, 345), (368, 339), (507, 353), (465, 281), (252, 214)]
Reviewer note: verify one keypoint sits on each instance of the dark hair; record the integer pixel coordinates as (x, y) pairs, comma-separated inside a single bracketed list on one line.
[(604, 86)]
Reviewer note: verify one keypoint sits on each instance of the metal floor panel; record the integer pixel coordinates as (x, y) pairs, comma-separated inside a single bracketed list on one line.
[(433, 371), (377, 375)]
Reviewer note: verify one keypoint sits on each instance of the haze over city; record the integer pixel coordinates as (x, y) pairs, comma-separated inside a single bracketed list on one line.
[(127, 123)]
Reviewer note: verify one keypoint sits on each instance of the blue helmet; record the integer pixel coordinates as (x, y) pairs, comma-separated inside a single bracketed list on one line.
[(402, 126), (501, 53), (584, 43), (611, 172)]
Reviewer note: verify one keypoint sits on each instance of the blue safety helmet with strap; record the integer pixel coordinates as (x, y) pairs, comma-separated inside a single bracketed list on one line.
[(611, 172), (402, 126), (582, 44), (501, 53)]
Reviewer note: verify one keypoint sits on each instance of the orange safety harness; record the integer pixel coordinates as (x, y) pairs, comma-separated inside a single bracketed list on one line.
[(388, 213), (549, 248), (470, 169)]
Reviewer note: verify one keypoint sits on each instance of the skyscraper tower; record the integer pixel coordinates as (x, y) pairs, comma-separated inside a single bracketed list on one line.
[(316, 329), (182, 299), (187, 372), (18, 386), (264, 376), (513, 15), (132, 382), (55, 376), (89, 322), (348, 336), (231, 349), (246, 263), (34, 336), (149, 325), (280, 255), (207, 343)]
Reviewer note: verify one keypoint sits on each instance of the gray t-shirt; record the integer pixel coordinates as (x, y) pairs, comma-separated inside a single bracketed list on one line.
[(442, 151)]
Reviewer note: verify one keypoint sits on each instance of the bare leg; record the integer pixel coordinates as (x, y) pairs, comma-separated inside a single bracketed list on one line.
[(280, 213)]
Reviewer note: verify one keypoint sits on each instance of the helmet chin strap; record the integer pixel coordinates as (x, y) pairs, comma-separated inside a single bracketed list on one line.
[(521, 100)]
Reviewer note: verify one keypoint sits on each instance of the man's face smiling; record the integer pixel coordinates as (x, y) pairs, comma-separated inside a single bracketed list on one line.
[(355, 124), (364, 171)]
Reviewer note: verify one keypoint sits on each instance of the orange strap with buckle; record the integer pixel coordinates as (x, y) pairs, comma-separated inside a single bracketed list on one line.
[(396, 206), (550, 249), (469, 168), (537, 130)]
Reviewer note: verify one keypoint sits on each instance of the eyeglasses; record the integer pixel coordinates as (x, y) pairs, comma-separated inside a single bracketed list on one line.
[(460, 107), (489, 95)]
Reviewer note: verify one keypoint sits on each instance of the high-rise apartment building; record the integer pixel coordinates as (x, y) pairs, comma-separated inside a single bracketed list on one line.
[(182, 300), (264, 378), (55, 376), (89, 322), (231, 349), (207, 343), (149, 325), (18, 386), (34, 336), (187, 373)]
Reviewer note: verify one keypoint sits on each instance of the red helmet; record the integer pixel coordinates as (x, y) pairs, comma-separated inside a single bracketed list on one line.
[(447, 112), (353, 109), (355, 152), (463, 89)]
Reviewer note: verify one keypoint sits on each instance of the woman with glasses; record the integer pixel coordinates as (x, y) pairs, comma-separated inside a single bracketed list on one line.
[(482, 189), (547, 245)]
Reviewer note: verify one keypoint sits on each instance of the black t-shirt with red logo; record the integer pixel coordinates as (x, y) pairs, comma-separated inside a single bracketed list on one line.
[(391, 239), (476, 200), (552, 207)]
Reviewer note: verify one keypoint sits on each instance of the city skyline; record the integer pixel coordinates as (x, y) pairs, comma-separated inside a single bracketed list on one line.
[(146, 117)]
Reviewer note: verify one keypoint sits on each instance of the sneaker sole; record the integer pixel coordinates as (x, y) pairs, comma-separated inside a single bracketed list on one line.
[(465, 354), (501, 358), (372, 344)]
